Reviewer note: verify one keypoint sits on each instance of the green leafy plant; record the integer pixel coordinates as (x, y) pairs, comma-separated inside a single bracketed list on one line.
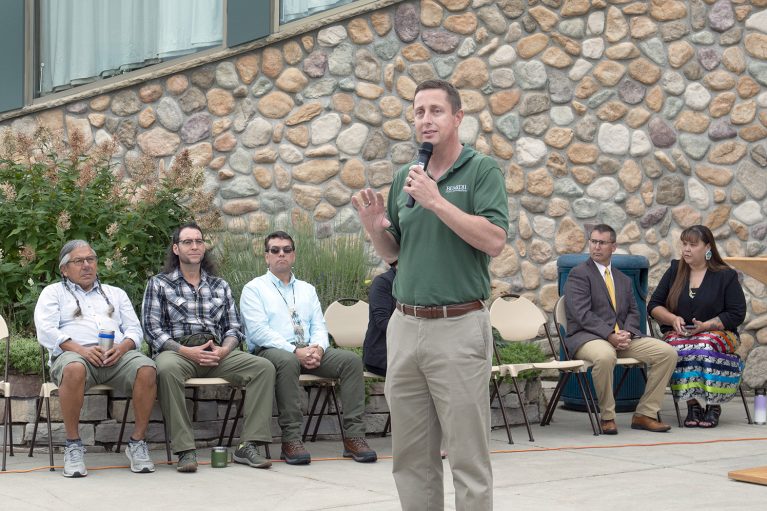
[(520, 353), (25, 355), (51, 193), (336, 266)]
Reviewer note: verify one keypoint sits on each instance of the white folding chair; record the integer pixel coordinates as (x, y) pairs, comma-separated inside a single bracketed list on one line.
[(520, 320), (344, 324), (626, 363), (348, 324), (47, 388), (198, 383)]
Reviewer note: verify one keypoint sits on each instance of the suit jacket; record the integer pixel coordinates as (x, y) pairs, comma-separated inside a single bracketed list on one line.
[(590, 312)]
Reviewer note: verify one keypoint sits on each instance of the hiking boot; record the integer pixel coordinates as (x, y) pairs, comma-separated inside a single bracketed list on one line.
[(138, 454), (74, 461), (249, 453), (359, 450), (294, 453), (187, 461)]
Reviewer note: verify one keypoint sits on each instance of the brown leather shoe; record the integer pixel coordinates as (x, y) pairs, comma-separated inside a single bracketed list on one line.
[(609, 427), (359, 450), (640, 421), (294, 453)]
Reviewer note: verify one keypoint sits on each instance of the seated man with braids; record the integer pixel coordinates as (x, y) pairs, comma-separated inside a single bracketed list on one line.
[(68, 317)]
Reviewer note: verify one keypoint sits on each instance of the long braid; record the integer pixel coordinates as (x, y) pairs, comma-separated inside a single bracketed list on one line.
[(101, 291), (78, 311)]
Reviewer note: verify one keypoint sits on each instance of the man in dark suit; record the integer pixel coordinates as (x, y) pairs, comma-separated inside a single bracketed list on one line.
[(603, 325)]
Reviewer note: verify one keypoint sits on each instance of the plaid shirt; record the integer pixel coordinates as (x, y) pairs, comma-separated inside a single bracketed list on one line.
[(173, 308)]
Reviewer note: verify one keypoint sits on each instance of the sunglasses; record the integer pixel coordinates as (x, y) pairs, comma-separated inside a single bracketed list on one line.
[(276, 250)]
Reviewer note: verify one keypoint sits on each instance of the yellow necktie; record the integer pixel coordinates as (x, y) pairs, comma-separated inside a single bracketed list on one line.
[(611, 292)]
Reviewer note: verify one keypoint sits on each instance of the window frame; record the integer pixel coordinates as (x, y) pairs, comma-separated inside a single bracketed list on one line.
[(32, 104)]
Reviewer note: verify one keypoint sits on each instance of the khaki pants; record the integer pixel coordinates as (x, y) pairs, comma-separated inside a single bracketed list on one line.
[(437, 388), (659, 356), (120, 376), (341, 364), (239, 368)]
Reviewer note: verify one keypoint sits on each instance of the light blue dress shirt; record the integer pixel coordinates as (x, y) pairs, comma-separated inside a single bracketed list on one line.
[(56, 323), (265, 306)]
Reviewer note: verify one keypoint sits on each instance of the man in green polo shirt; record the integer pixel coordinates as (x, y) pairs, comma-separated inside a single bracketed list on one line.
[(439, 338)]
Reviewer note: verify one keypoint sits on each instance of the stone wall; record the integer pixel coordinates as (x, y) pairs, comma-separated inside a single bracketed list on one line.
[(649, 115)]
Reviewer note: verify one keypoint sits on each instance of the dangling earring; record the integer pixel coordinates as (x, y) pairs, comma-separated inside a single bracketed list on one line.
[(708, 254)]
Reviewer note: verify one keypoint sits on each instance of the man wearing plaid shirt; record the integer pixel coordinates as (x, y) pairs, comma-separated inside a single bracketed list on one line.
[(192, 324)]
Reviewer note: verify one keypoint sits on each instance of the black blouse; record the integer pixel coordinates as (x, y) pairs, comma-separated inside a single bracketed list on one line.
[(719, 295)]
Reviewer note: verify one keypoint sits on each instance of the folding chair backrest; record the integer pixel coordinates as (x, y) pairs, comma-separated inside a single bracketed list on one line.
[(347, 324), (653, 327), (560, 323), (516, 320), (44, 369), (4, 334)]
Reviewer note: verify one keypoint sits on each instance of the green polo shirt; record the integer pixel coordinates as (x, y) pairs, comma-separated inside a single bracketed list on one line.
[(435, 266)]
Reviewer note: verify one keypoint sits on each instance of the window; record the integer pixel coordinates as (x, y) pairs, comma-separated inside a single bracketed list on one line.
[(291, 10), (81, 41), (52, 49)]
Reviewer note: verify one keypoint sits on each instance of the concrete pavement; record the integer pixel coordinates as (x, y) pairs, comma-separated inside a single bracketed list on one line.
[(566, 468)]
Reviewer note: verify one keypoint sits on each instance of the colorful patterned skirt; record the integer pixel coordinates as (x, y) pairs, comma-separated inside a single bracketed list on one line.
[(708, 368)]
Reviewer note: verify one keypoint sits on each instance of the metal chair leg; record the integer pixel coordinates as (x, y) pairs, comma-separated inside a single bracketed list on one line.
[(745, 405), (237, 417), (6, 429), (387, 426), (50, 434), (167, 439), (338, 413), (678, 415), (596, 426), (522, 407), (549, 413), (39, 408), (226, 418), (325, 405), (122, 427), (497, 393), (310, 417), (9, 426)]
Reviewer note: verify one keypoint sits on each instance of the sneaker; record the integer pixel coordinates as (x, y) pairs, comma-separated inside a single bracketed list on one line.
[(138, 454), (294, 453), (74, 461), (248, 453), (359, 450), (187, 461)]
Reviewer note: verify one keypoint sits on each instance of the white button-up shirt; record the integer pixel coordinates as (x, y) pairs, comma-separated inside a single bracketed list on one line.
[(56, 323), (265, 306)]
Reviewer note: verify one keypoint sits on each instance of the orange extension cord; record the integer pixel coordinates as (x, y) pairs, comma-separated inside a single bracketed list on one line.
[(499, 451)]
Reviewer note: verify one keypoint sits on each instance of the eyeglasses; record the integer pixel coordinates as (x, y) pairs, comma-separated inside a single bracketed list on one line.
[(600, 243), (82, 260), (276, 250), (189, 243)]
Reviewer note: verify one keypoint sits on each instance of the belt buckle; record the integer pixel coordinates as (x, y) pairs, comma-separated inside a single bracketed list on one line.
[(415, 310)]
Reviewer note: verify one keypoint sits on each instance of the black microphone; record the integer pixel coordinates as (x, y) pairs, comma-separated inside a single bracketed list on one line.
[(424, 155)]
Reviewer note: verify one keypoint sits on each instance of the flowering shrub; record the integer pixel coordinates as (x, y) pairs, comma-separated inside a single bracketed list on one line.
[(51, 193)]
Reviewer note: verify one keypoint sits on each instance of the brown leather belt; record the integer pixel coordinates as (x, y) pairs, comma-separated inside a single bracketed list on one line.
[(439, 311)]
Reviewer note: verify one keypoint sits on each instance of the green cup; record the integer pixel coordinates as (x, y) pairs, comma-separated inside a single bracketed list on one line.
[(219, 457)]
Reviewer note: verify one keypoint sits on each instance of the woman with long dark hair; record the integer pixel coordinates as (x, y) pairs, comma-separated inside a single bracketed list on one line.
[(699, 304)]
